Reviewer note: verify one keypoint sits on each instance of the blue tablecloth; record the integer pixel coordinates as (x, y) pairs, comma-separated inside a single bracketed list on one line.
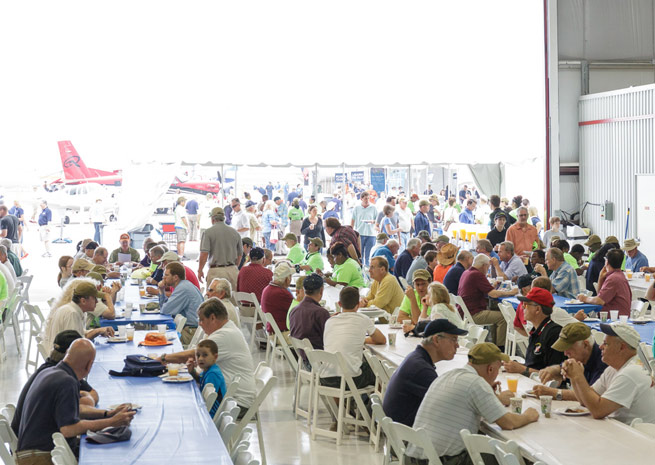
[(116, 352), (559, 302), (173, 427), (132, 295), (646, 331)]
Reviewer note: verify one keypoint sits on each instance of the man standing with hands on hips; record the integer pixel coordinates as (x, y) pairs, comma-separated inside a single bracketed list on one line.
[(222, 246)]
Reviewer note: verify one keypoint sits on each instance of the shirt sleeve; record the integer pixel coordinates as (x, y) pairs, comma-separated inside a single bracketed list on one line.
[(608, 291), (66, 406), (406, 306), (621, 390), (175, 303), (485, 402)]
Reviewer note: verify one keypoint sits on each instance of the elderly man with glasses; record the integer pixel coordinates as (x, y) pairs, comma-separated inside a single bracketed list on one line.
[(222, 290), (522, 234)]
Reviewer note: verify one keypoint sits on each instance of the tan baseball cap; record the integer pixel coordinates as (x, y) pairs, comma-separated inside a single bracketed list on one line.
[(570, 334), (485, 353), (81, 264), (87, 289)]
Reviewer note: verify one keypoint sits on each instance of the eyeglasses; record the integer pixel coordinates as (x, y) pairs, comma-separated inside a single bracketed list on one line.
[(523, 215), (451, 339)]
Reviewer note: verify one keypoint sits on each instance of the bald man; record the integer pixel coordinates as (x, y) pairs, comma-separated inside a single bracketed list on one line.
[(52, 404)]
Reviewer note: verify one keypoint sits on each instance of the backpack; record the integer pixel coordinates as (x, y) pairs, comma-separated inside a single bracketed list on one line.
[(140, 366)]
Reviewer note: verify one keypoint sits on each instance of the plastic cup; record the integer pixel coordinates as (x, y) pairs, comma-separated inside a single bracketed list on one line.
[(546, 405), (603, 317), (122, 331), (512, 383), (516, 405), (128, 313), (623, 318), (407, 322), (130, 333), (628, 273), (173, 369), (614, 315), (647, 276), (129, 306), (161, 329), (142, 292), (392, 339)]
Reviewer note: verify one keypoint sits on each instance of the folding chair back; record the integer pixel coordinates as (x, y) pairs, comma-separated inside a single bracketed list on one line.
[(638, 308), (477, 334), (505, 458), (467, 315), (180, 322), (249, 312), (478, 444), (403, 436), (229, 406), (198, 336), (7, 435), (645, 352), (278, 338), (303, 376), (62, 445), (8, 411), (226, 427), (209, 394)]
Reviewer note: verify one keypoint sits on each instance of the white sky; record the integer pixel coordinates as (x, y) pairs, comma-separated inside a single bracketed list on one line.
[(360, 81)]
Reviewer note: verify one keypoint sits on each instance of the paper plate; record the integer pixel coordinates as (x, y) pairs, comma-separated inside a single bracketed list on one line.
[(178, 379), (579, 412), (134, 406), (144, 343), (116, 340), (154, 311), (592, 319), (574, 302)]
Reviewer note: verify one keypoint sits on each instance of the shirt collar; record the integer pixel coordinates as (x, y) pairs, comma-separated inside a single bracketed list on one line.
[(424, 355), (541, 327)]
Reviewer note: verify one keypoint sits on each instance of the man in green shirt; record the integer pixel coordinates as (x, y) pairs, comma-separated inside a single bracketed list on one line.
[(296, 252), (313, 260), (413, 303)]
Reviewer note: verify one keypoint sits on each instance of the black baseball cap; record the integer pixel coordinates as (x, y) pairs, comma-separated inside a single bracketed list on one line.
[(524, 280), (64, 340), (246, 241), (109, 434), (442, 325), (256, 253)]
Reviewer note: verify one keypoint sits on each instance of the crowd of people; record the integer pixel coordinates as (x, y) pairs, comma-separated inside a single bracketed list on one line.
[(397, 258)]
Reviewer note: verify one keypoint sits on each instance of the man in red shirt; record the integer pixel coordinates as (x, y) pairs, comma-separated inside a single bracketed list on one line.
[(614, 291), (276, 298), (524, 282), (254, 277), (522, 234), (475, 289), (169, 257)]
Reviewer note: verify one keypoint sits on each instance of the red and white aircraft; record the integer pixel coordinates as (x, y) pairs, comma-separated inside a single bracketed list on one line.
[(76, 172)]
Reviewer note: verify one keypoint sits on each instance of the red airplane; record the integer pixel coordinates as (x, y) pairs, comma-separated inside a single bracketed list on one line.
[(76, 172)]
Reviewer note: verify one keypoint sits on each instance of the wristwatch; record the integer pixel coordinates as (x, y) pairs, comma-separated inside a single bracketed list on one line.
[(163, 358), (558, 396)]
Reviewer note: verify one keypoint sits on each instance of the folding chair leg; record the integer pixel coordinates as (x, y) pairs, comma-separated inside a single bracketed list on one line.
[(260, 436)]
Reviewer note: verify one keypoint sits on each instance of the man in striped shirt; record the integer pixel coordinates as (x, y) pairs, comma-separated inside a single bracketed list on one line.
[(459, 399)]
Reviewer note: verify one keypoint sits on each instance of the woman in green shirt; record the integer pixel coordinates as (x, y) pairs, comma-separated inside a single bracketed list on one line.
[(346, 271), (313, 260)]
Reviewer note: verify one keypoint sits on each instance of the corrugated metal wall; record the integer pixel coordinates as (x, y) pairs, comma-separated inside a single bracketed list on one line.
[(616, 132)]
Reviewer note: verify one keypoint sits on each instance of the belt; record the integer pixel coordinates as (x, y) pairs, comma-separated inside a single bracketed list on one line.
[(30, 452), (221, 266)]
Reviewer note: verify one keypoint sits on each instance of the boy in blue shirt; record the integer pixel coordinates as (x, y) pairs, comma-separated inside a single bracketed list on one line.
[(206, 355)]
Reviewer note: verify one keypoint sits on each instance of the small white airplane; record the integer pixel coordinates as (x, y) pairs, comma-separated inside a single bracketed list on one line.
[(73, 202)]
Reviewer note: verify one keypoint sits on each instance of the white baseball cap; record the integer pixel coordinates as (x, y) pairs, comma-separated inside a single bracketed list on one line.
[(282, 271), (623, 331)]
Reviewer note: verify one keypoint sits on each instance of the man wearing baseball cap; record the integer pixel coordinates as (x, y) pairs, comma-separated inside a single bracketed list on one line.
[(594, 244), (247, 247), (308, 318), (614, 291), (537, 307), (254, 276), (71, 315), (410, 382), (81, 267), (313, 260), (120, 255), (296, 252), (636, 260), (421, 220), (624, 391), (170, 257), (499, 231), (460, 399), (576, 343), (221, 247)]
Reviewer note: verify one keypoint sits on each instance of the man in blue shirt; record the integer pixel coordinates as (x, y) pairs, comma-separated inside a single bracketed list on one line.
[(510, 266), (388, 251), (467, 216), (464, 262), (192, 218), (636, 260), (406, 258), (184, 300), (45, 217), (421, 220), (410, 382)]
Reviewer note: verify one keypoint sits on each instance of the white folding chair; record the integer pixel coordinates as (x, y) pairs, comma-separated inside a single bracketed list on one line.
[(476, 335), (250, 313), (8, 411), (378, 416), (209, 394), (197, 337), (12, 307), (404, 436), (467, 315), (226, 427), (638, 308), (229, 406), (62, 445), (381, 381), (36, 326), (246, 458), (275, 339), (388, 368), (646, 428), (504, 458), (645, 352), (346, 392), (265, 381), (7, 435), (513, 338), (303, 376), (232, 388), (180, 322), (5, 454), (478, 444), (403, 283)]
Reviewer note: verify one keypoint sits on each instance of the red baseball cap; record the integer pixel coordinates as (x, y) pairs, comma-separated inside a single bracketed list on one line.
[(125, 236), (538, 296)]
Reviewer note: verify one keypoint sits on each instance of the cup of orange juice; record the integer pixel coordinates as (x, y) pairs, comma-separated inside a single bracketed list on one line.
[(142, 292), (173, 369), (512, 383), (647, 276), (629, 273)]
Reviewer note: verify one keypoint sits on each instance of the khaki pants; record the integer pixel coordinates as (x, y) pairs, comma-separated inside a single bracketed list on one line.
[(493, 317), (228, 272), (187, 335), (36, 458)]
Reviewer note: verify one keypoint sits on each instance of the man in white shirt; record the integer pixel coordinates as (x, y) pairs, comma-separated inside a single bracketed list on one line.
[(240, 220), (459, 399), (348, 332), (405, 222), (624, 391), (71, 315), (234, 358)]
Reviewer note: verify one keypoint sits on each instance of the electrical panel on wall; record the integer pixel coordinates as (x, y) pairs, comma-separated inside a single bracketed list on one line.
[(607, 211)]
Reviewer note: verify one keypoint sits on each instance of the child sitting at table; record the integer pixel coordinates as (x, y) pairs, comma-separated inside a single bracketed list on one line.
[(206, 355)]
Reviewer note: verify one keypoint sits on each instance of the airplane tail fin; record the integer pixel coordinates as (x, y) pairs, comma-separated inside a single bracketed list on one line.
[(74, 167)]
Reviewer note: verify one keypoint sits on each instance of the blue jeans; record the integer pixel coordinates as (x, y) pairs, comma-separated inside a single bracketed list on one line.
[(367, 244), (96, 236), (404, 237), (267, 241)]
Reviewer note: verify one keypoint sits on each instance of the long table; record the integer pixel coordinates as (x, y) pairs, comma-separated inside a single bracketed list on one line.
[(173, 425), (646, 331), (559, 440), (560, 302), (132, 295)]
